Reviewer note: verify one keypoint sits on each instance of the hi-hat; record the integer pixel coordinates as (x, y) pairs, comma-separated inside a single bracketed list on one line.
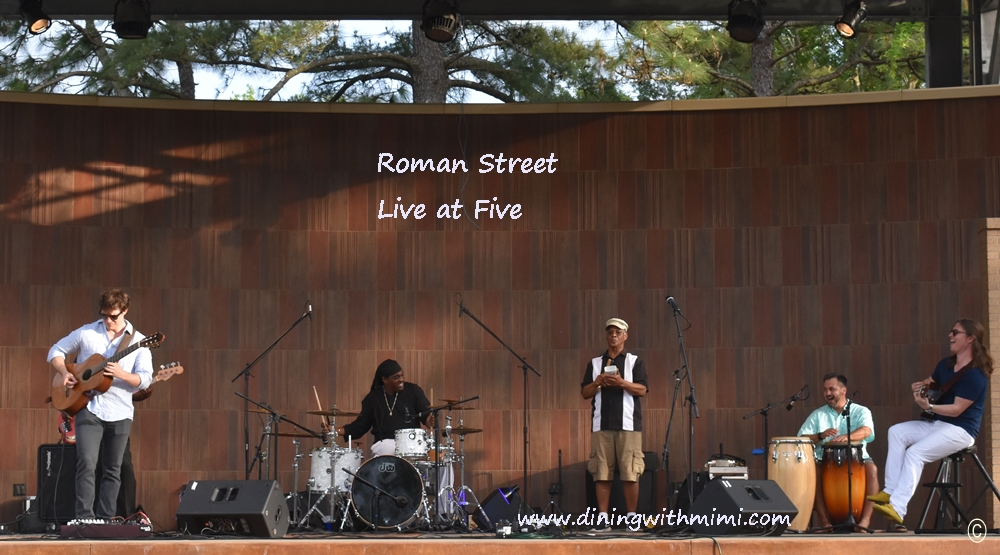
[(333, 412), (463, 431)]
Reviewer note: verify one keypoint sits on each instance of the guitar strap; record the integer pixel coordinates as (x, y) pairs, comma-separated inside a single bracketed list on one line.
[(954, 379), (126, 341)]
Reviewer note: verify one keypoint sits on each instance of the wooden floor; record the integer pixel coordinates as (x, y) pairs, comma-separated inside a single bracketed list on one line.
[(482, 544)]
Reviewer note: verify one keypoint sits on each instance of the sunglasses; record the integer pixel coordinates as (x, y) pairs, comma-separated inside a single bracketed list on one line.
[(112, 317), (956, 332)]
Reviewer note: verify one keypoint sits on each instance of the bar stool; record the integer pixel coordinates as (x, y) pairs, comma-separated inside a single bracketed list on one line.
[(947, 485)]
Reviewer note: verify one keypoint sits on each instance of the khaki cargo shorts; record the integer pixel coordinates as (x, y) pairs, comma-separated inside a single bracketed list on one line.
[(616, 449)]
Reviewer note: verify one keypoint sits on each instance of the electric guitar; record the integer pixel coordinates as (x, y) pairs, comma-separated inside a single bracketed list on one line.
[(90, 378), (165, 372)]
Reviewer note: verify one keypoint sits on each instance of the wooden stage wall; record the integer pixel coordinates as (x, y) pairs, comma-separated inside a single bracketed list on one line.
[(798, 240)]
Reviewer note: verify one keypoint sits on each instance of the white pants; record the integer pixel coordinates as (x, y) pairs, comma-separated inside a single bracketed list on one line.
[(912, 445), (445, 474)]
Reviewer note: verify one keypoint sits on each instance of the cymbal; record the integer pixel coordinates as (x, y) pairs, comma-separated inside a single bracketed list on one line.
[(293, 434), (464, 431), (333, 412)]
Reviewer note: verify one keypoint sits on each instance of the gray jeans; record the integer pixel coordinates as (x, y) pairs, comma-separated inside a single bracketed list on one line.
[(91, 434)]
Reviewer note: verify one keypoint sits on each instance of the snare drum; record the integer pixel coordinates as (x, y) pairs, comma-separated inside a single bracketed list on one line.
[(396, 476), (792, 465), (835, 480), (413, 443)]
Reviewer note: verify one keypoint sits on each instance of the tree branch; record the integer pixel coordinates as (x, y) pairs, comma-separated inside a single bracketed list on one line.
[(786, 54), (384, 74), (854, 60), (477, 86), (747, 88), (58, 78)]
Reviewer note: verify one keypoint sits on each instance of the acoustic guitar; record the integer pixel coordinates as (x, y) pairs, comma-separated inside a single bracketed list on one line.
[(67, 423), (90, 378)]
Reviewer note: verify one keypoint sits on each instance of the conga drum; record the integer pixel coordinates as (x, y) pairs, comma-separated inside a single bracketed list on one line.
[(792, 465), (835, 480)]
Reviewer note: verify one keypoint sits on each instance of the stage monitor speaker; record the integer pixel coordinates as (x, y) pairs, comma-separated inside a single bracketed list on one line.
[(647, 489), (246, 507), (56, 482), (741, 507), (501, 505)]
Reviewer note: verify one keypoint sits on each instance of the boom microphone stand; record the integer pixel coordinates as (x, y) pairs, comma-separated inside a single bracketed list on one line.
[(766, 411), (691, 399), (245, 374), (524, 368)]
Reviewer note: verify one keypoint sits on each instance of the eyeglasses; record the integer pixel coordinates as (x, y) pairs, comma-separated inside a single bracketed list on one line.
[(112, 317), (956, 332)]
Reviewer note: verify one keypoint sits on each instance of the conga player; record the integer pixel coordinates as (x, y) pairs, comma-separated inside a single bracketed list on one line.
[(827, 425)]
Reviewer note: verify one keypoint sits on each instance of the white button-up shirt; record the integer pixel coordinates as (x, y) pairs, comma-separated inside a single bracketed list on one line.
[(91, 339)]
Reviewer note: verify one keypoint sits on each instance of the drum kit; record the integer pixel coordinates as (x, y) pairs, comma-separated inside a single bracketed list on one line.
[(386, 492)]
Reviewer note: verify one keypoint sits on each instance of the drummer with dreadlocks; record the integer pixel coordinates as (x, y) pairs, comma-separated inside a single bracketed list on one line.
[(391, 404)]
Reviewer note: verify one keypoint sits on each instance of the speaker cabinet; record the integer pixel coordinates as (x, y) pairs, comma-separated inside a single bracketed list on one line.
[(501, 505), (56, 482), (246, 507), (647, 489), (741, 507)]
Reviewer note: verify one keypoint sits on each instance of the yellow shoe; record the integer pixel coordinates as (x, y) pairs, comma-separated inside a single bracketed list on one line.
[(889, 513), (880, 498)]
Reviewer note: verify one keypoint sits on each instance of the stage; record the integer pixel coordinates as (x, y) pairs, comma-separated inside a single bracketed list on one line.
[(486, 544)]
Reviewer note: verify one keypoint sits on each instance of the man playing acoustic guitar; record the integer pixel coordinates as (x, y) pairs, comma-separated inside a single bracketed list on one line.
[(106, 417)]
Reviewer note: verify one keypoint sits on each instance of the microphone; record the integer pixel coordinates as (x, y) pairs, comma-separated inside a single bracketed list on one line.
[(402, 501), (309, 310), (796, 397), (673, 304)]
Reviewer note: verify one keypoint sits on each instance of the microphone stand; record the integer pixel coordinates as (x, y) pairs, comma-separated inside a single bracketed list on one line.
[(848, 525), (765, 412), (691, 399), (278, 417), (376, 493), (665, 465), (245, 374), (524, 368)]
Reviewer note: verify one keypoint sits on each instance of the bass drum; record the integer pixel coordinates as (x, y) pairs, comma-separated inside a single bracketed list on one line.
[(396, 476)]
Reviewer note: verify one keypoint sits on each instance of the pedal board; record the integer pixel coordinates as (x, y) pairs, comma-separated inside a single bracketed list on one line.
[(105, 531)]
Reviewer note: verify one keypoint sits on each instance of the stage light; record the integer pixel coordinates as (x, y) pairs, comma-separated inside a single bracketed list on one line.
[(441, 20), (745, 20), (854, 14), (38, 21), (132, 19)]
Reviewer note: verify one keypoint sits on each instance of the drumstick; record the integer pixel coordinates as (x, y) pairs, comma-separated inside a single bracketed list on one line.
[(316, 393)]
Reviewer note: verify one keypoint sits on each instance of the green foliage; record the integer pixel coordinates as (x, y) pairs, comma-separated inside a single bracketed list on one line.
[(700, 60), (511, 61)]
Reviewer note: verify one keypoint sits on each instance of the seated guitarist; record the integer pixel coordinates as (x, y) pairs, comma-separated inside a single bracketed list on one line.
[(108, 416), (955, 417)]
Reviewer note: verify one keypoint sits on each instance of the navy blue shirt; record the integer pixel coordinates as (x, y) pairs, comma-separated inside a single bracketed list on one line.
[(970, 386)]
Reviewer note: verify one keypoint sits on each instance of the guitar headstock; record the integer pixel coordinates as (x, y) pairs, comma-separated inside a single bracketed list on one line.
[(152, 341), (168, 371)]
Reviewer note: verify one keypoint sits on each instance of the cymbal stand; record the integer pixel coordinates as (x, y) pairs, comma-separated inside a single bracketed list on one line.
[(295, 474), (328, 493), (464, 491), (450, 504)]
